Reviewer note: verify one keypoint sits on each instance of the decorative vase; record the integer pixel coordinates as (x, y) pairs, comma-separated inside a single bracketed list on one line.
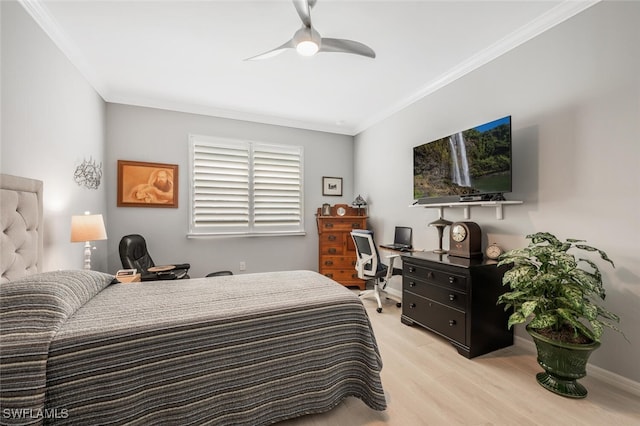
[(563, 364)]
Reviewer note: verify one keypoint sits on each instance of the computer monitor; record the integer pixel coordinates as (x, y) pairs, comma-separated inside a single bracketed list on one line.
[(402, 236)]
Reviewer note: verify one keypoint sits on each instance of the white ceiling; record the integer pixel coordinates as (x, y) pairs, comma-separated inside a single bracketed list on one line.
[(188, 55)]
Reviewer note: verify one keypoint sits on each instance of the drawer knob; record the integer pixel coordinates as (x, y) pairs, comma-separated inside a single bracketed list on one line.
[(355, 225), (332, 238), (332, 250), (412, 269), (452, 323), (328, 262), (452, 297), (452, 280), (429, 274), (328, 275), (412, 305), (328, 225), (412, 284)]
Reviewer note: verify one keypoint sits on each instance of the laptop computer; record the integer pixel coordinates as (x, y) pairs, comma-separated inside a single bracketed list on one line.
[(401, 239)]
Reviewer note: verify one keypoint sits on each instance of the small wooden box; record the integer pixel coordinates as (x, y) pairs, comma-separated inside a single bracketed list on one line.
[(128, 276), (129, 279)]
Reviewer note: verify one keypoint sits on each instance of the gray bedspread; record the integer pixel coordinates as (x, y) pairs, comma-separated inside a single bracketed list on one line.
[(245, 349)]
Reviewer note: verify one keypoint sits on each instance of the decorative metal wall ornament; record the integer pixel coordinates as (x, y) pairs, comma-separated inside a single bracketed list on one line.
[(88, 174)]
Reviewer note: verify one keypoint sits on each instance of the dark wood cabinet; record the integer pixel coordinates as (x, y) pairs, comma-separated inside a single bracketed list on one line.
[(337, 253), (456, 298)]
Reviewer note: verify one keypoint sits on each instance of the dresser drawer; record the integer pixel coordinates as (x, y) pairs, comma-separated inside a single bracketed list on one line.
[(446, 296), (435, 276), (342, 275), (442, 319), (338, 262), (346, 224), (332, 238), (332, 250)]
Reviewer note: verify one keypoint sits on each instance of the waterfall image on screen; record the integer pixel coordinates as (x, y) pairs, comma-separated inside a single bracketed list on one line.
[(472, 162)]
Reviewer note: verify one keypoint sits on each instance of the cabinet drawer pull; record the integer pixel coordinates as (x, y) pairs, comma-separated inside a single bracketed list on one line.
[(332, 250), (452, 323), (412, 305), (328, 262), (355, 225), (328, 225), (452, 280), (452, 297), (328, 275), (332, 238), (412, 284), (412, 269)]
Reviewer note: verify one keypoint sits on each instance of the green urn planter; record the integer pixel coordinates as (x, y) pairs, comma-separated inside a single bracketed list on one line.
[(563, 364), (556, 292)]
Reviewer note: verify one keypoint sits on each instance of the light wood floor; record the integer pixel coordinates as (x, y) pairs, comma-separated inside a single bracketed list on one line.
[(428, 383)]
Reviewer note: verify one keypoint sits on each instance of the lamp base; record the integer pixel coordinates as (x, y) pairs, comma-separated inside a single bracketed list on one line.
[(440, 224), (87, 255)]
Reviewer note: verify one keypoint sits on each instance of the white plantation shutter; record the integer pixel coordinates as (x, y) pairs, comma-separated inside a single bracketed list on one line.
[(277, 187), (245, 187)]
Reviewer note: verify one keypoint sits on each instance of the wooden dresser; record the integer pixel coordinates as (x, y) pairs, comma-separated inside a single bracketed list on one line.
[(456, 298), (336, 252)]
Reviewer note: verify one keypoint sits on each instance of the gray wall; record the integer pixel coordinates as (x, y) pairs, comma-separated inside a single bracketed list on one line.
[(574, 96), (146, 134), (52, 120)]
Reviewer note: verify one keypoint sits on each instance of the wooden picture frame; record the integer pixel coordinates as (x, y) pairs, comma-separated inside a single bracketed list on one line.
[(332, 186), (143, 184)]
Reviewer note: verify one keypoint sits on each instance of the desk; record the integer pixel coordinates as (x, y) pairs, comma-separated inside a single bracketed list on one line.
[(395, 265)]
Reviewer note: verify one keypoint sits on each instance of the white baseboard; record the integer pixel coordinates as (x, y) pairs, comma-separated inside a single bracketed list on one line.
[(594, 371)]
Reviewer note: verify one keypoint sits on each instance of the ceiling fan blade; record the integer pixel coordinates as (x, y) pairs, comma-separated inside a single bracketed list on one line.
[(346, 46), (273, 52), (303, 7)]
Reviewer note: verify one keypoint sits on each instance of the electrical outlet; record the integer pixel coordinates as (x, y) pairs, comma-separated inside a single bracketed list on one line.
[(243, 266)]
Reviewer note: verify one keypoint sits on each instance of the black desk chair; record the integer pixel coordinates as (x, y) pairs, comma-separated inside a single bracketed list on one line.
[(369, 266), (134, 255)]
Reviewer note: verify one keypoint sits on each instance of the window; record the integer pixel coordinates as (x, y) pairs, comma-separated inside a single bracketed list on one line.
[(248, 188)]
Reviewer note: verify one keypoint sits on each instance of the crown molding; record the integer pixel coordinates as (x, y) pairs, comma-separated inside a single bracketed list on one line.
[(546, 21), (50, 26), (40, 13), (230, 114), (555, 16)]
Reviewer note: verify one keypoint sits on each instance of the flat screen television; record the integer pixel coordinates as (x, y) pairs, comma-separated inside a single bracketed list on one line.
[(470, 165)]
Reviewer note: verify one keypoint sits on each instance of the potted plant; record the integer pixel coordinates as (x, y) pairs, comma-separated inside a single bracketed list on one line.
[(557, 294)]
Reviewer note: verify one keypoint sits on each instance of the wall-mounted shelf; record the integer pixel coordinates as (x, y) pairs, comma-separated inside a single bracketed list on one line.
[(466, 205)]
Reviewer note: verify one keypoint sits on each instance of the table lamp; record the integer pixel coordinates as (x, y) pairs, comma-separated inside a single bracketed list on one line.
[(359, 202), (440, 224), (87, 228)]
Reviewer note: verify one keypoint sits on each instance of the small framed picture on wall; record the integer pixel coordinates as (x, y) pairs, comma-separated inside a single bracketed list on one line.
[(332, 186)]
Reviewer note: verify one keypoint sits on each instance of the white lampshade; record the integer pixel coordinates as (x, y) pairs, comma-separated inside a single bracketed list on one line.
[(88, 227)]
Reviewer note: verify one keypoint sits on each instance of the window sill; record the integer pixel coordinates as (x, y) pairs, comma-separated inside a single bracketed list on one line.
[(242, 235)]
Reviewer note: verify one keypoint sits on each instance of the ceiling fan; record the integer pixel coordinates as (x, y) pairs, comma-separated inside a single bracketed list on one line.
[(307, 41)]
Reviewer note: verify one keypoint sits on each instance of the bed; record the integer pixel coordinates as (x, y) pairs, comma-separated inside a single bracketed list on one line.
[(244, 349)]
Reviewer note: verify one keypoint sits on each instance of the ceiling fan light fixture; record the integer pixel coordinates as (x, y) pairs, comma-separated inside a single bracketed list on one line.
[(307, 48), (307, 41)]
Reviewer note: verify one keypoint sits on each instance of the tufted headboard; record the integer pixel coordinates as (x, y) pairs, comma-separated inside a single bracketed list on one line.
[(21, 245)]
